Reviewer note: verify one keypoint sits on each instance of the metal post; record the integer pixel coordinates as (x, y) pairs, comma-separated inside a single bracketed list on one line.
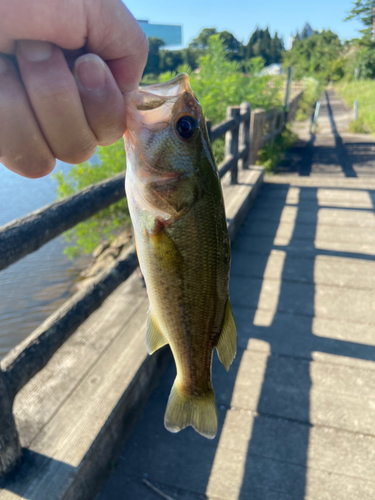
[(231, 142), (315, 118), (355, 110), (10, 448), (244, 139)]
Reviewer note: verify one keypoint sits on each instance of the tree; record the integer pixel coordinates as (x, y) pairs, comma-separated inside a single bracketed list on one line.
[(170, 60), (201, 42), (320, 56), (233, 48), (363, 10), (361, 55), (261, 44), (153, 60)]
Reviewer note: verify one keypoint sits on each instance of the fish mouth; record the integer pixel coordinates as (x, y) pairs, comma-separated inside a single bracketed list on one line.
[(170, 89), (153, 106)]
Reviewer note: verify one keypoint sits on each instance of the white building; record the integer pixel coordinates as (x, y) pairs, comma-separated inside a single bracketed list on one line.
[(272, 70)]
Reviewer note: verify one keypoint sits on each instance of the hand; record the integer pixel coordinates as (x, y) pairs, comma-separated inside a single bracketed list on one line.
[(48, 110)]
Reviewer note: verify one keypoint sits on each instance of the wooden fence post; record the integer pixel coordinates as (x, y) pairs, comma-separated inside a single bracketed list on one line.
[(272, 124), (10, 448), (258, 117), (231, 141), (244, 138)]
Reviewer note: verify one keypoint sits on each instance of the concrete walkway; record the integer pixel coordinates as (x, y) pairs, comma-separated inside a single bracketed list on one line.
[(297, 408)]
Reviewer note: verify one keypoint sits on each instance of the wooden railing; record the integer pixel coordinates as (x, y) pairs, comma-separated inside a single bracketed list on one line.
[(245, 134)]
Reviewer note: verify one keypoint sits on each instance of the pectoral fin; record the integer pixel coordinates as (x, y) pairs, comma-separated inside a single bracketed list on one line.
[(226, 346), (154, 338)]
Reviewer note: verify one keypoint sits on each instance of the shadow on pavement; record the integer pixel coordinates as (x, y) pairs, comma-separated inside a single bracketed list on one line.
[(264, 457)]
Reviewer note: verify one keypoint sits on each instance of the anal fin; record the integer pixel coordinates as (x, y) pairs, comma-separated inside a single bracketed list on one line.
[(154, 338), (226, 346)]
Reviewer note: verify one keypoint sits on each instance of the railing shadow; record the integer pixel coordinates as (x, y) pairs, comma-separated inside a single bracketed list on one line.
[(18, 482), (343, 158), (267, 457)]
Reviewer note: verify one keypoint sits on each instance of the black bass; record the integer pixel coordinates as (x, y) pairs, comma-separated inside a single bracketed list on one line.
[(177, 209)]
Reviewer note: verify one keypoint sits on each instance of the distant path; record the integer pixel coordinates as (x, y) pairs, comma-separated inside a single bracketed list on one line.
[(333, 151), (297, 408)]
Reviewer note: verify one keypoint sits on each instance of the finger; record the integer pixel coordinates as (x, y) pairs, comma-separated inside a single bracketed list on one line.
[(55, 99), (102, 100), (120, 41), (23, 148), (104, 27)]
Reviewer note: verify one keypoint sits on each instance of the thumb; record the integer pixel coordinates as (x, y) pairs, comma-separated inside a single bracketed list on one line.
[(115, 36)]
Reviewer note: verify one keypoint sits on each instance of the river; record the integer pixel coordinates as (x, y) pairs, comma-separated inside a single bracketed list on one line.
[(32, 288)]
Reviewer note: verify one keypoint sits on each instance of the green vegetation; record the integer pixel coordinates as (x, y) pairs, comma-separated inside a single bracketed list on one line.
[(273, 152), (220, 83), (316, 56), (260, 44), (105, 224), (364, 92), (357, 127), (363, 11), (312, 91)]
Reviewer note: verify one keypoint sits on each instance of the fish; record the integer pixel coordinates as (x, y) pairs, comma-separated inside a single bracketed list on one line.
[(176, 205)]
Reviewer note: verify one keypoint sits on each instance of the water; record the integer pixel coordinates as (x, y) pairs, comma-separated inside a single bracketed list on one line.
[(35, 286)]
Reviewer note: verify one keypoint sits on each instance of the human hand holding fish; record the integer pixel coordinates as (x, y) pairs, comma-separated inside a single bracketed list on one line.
[(177, 209), (172, 184), (63, 68)]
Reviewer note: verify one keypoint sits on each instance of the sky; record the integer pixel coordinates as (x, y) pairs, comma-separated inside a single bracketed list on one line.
[(241, 17)]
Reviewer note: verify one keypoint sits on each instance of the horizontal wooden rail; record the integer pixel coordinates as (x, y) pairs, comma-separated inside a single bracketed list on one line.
[(29, 357), (222, 128), (29, 233), (226, 165)]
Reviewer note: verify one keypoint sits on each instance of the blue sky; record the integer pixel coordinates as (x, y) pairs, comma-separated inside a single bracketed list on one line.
[(241, 17)]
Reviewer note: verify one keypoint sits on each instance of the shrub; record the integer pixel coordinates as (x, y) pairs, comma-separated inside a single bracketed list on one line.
[(312, 92), (273, 152), (84, 237)]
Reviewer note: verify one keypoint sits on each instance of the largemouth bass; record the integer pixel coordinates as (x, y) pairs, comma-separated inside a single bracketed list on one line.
[(177, 209)]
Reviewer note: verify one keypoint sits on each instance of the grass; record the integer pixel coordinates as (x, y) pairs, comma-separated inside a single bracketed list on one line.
[(273, 153), (311, 94), (364, 92), (357, 127)]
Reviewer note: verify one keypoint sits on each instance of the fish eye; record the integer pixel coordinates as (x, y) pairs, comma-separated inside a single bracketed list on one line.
[(186, 126)]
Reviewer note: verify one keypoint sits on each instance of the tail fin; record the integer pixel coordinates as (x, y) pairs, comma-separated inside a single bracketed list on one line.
[(197, 411)]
